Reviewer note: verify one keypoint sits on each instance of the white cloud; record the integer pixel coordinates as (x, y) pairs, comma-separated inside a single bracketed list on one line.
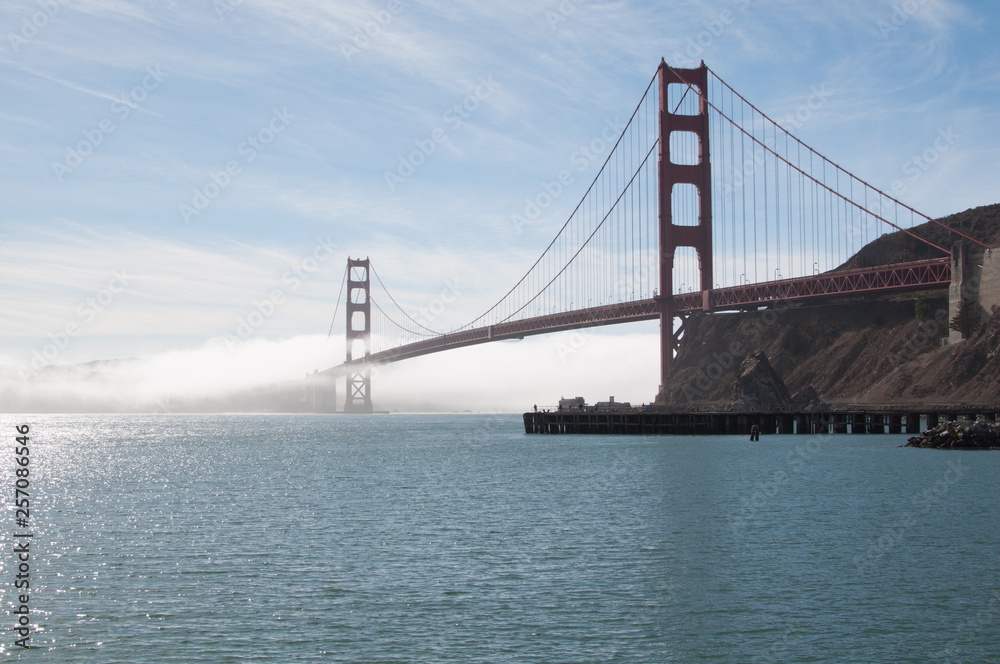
[(169, 287), (507, 376), (215, 371), (513, 376), (559, 83)]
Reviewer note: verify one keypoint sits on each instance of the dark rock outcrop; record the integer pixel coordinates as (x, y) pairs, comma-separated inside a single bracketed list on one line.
[(759, 387), (960, 436), (808, 400)]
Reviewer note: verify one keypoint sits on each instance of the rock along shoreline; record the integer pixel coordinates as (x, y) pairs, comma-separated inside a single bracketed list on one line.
[(960, 436)]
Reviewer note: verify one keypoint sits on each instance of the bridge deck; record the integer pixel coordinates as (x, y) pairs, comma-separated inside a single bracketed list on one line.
[(901, 277)]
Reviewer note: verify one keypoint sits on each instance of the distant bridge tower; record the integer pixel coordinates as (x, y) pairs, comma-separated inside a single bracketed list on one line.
[(672, 174), (359, 332)]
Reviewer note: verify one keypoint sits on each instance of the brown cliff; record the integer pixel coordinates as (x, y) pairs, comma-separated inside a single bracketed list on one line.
[(883, 351)]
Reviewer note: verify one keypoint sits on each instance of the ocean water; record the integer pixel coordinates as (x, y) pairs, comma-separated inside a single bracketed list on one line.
[(403, 538)]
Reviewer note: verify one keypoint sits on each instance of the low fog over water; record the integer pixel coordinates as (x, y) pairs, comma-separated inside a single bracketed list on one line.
[(259, 375)]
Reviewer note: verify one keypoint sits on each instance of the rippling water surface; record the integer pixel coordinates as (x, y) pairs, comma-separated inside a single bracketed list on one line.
[(246, 538)]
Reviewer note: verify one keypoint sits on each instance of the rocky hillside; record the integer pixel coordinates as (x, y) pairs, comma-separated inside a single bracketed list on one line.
[(965, 373), (851, 351), (982, 223)]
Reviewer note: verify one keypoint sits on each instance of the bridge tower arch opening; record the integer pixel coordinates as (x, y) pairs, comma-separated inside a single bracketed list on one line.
[(677, 129), (359, 332)]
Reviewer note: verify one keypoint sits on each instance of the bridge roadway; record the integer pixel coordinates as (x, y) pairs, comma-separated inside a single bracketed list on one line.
[(901, 277)]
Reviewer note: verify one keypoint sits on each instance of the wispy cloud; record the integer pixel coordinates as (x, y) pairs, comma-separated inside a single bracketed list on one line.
[(95, 93), (565, 69), (210, 371)]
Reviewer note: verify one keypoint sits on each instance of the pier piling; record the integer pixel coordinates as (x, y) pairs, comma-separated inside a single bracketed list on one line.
[(637, 422)]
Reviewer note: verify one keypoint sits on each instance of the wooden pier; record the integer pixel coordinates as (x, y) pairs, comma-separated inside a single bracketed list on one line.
[(639, 423)]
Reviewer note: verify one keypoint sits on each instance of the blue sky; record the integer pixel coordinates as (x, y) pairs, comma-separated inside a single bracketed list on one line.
[(204, 150)]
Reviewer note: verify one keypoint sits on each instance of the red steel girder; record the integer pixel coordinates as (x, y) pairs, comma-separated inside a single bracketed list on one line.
[(919, 275), (596, 316)]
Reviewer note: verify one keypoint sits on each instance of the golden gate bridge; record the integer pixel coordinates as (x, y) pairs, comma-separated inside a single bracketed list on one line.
[(703, 204)]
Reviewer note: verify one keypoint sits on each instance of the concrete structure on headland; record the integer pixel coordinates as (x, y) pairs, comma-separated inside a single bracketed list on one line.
[(576, 403), (989, 289), (975, 279), (636, 422), (579, 404)]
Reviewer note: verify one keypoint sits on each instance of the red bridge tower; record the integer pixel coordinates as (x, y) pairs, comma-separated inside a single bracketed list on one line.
[(359, 332), (672, 236)]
